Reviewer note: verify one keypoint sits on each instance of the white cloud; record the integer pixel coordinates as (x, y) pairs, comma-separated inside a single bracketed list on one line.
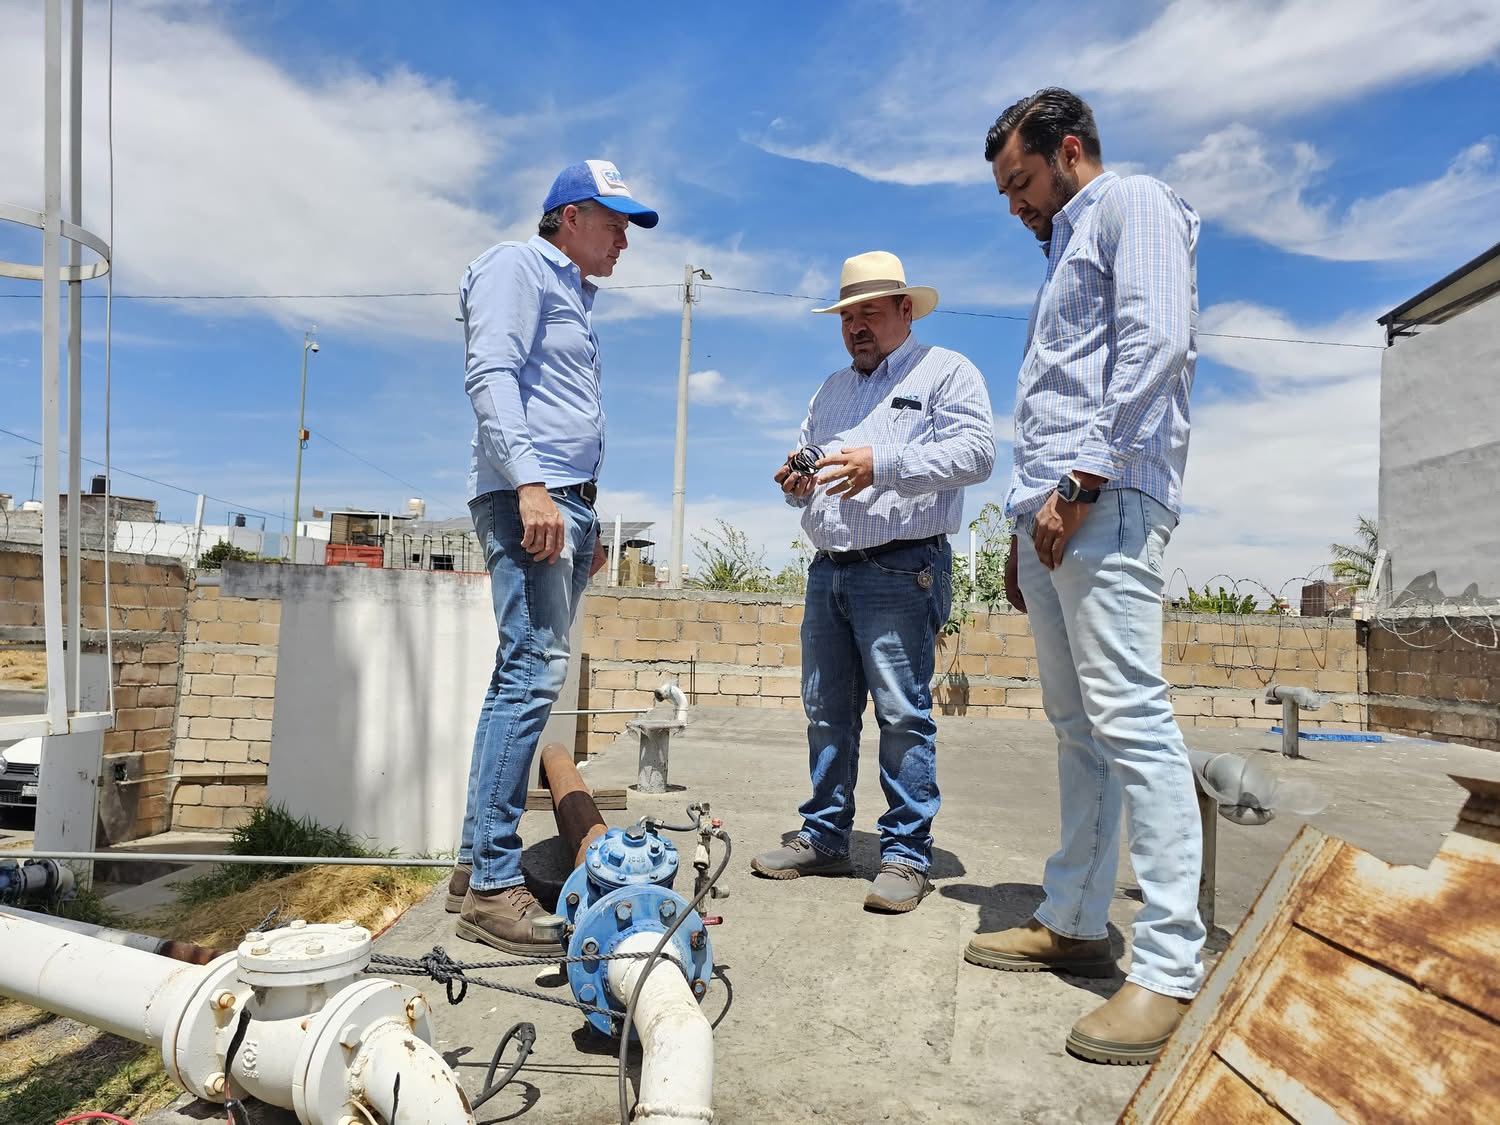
[(770, 523), (1227, 331), (923, 162), (1259, 188), (234, 174), (1218, 60), (710, 388)]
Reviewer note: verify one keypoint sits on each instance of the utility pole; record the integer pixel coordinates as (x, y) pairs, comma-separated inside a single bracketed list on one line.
[(679, 466), (35, 459), (308, 345)]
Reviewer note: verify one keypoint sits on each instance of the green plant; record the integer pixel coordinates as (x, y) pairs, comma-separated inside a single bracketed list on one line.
[(727, 561), (271, 830), (792, 578), (1354, 563), (988, 587), (1221, 601), (222, 552)]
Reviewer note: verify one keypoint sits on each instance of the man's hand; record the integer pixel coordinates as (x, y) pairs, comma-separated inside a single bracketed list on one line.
[(543, 535), (1013, 580), (852, 470), (792, 483), (601, 556), (1055, 525)]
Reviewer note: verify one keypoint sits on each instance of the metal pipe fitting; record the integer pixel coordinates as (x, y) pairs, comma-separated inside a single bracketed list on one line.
[(579, 822)]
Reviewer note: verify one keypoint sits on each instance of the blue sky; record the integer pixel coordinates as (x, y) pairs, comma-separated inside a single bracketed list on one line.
[(1343, 156)]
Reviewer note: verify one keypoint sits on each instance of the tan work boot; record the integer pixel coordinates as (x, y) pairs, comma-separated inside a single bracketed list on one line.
[(1033, 948), (510, 919), (458, 886), (1129, 1029)]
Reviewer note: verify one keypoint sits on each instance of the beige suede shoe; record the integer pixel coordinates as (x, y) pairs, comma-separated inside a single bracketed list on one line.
[(1033, 948), (1129, 1029)]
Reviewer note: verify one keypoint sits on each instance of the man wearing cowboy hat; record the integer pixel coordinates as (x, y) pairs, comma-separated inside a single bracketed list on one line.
[(892, 439)]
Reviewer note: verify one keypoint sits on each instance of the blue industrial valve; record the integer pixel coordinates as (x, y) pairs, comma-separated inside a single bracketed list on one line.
[(622, 857), (624, 888)]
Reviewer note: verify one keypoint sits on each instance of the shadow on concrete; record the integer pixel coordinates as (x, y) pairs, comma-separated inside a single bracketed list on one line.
[(864, 852)]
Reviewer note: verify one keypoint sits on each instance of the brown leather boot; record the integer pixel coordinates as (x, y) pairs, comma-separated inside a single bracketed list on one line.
[(458, 886), (1129, 1029), (510, 919), (1033, 948)]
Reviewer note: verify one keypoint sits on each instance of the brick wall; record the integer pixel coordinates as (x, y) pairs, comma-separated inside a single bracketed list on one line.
[(224, 717), (745, 651), (148, 598), (1436, 679)]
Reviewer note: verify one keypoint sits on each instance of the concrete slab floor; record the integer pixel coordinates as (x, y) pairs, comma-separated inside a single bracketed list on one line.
[(839, 1015)]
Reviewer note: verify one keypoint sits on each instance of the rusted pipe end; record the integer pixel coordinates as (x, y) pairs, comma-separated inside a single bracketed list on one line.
[(578, 819)]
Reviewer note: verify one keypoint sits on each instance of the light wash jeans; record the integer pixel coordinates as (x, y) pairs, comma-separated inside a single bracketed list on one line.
[(1097, 621), (869, 631), (534, 608)]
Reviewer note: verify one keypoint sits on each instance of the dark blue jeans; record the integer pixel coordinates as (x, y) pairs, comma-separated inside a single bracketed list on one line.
[(534, 608), (869, 631)]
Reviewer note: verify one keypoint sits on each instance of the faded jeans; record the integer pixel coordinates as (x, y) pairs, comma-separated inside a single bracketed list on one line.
[(534, 608), (869, 630), (1097, 621)]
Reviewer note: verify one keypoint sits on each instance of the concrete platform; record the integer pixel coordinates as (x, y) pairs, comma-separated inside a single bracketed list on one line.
[(842, 1016)]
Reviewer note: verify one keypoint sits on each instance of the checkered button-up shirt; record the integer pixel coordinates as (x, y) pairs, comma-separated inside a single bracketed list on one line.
[(925, 412), (1111, 346)]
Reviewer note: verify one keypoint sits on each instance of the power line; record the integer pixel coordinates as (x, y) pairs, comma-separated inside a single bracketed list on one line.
[(232, 504), (621, 288)]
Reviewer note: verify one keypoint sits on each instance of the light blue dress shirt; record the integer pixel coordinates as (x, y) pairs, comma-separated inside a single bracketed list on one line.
[(531, 369), (925, 412), (1111, 346)]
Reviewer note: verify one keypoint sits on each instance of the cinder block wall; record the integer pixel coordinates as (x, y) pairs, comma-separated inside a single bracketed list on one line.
[(228, 699), (148, 599), (1436, 678)]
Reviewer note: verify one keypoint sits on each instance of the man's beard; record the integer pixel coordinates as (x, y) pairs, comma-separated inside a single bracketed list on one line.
[(1064, 188)]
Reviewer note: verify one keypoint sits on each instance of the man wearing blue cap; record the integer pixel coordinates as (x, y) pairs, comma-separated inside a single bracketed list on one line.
[(532, 375)]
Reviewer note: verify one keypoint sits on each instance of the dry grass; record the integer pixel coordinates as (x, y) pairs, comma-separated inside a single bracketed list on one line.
[(51, 1068), (23, 667)]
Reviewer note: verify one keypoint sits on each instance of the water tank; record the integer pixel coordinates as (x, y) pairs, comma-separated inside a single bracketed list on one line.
[(98, 485), (32, 506), (416, 508)]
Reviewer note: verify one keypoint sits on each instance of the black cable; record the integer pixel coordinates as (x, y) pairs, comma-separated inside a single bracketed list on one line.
[(651, 962), (236, 1108), (694, 811), (525, 1034)]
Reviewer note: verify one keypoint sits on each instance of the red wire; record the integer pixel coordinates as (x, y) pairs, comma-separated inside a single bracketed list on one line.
[(96, 1116)]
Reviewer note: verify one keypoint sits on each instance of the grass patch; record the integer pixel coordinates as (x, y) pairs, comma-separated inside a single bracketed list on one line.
[(84, 1070), (271, 830)]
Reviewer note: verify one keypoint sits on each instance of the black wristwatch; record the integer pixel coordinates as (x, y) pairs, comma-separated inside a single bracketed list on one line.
[(1073, 492)]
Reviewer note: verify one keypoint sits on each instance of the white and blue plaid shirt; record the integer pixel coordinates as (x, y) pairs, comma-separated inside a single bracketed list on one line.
[(1111, 346), (925, 412)]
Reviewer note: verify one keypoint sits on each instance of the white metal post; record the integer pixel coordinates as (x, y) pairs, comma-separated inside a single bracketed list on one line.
[(973, 557), (198, 531), (614, 556), (679, 461), (57, 704), (75, 355)]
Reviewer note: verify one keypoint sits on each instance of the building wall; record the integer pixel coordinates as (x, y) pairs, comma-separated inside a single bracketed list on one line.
[(1436, 679), (148, 602), (1440, 453)]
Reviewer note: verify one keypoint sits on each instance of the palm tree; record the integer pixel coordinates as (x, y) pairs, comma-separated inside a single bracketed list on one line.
[(1355, 564)]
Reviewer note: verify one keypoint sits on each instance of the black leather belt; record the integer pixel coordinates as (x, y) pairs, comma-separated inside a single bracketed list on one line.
[(587, 491), (864, 554)]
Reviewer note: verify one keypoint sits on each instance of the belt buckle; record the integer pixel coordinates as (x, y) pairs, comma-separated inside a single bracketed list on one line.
[(589, 491)]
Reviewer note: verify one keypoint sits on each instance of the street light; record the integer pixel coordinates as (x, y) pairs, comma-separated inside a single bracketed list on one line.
[(679, 467), (308, 345)]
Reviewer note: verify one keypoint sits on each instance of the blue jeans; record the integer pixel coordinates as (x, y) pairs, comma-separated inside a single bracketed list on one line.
[(534, 608), (1097, 621), (869, 630)]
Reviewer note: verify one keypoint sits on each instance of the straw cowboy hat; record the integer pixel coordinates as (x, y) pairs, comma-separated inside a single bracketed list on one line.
[(878, 274)]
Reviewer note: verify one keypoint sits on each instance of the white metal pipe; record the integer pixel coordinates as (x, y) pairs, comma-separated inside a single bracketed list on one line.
[(125, 991), (674, 693), (614, 555), (677, 1041), (405, 1079), (268, 860), (679, 457), (973, 560)]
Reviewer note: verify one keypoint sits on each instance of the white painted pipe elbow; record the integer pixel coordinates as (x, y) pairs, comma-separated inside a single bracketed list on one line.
[(677, 1041), (674, 693)]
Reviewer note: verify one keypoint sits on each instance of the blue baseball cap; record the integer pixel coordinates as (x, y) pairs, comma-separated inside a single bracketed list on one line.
[(600, 181)]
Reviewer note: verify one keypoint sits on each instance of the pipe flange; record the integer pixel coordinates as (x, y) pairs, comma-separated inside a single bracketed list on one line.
[(622, 857), (604, 925), (322, 1079), (193, 1049), (304, 954)]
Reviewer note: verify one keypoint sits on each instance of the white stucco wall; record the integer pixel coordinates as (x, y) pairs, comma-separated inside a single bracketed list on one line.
[(379, 679), (1440, 453)]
